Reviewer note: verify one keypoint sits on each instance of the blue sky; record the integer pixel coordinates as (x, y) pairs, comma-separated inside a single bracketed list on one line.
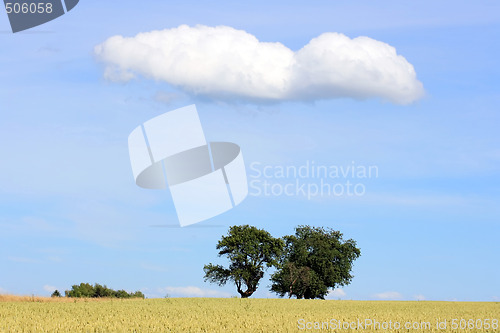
[(428, 225)]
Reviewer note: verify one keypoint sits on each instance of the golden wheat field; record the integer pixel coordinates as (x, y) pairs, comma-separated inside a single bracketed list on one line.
[(33, 314)]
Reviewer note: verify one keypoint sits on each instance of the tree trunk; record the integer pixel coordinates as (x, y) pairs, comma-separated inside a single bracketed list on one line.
[(245, 294)]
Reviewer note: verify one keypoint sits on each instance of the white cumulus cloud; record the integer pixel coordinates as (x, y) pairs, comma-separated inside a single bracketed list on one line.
[(224, 63), (49, 288), (191, 291), (389, 295), (336, 293)]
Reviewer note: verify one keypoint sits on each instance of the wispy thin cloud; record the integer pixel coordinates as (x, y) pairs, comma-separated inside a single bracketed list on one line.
[(192, 291), (155, 268), (389, 295), (49, 288), (24, 260)]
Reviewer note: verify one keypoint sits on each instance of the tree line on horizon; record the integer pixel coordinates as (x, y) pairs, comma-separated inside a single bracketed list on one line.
[(307, 264), (86, 290)]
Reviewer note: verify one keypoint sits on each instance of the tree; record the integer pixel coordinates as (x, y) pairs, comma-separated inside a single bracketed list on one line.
[(313, 261), (137, 294), (56, 293), (83, 290), (250, 251), (102, 291), (296, 278)]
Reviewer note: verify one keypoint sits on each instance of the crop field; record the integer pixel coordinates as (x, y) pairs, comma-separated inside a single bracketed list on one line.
[(31, 314)]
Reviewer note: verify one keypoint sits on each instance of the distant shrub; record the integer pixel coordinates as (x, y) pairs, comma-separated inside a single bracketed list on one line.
[(56, 293), (138, 294), (95, 291)]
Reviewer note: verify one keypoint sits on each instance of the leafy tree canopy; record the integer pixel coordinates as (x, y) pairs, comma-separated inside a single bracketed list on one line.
[(250, 251), (313, 261)]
